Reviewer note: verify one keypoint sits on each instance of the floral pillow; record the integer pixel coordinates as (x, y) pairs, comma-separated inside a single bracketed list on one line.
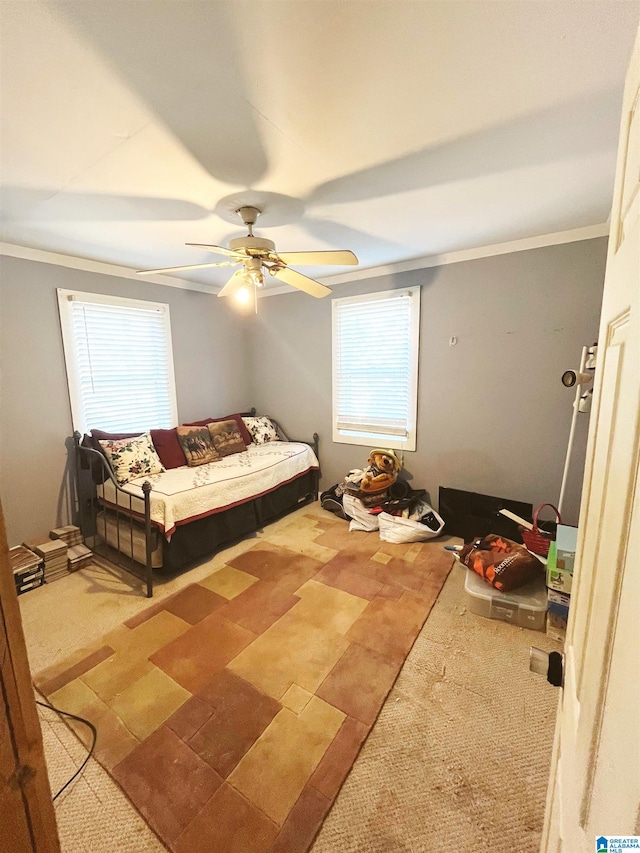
[(132, 457), (226, 437), (261, 430), (198, 446)]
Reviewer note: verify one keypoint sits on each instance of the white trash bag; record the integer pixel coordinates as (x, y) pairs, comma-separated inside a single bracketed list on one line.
[(394, 528), (361, 518)]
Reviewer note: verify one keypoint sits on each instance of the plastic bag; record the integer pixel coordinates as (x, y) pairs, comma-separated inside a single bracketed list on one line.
[(361, 518), (397, 529)]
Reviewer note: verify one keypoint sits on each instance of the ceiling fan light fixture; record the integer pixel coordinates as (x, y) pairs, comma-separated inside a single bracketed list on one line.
[(253, 272), (243, 294)]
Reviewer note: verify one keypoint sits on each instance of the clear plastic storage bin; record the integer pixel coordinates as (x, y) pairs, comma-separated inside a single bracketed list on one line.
[(525, 606)]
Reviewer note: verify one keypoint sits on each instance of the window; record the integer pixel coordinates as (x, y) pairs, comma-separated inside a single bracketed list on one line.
[(119, 362), (375, 368)]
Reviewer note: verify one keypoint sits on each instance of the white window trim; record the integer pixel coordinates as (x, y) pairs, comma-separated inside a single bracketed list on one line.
[(373, 440), (65, 297)]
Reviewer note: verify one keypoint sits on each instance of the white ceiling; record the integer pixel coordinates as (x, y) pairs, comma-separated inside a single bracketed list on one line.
[(400, 129)]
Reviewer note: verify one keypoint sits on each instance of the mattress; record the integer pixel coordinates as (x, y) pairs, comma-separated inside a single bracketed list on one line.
[(185, 494)]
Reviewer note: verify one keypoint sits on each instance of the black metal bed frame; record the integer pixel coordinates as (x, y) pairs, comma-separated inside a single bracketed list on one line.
[(92, 468)]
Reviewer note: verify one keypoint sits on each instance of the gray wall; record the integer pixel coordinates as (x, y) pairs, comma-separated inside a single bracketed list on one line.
[(493, 416), (35, 420)]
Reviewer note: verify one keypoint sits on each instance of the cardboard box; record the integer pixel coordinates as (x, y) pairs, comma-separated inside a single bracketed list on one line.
[(557, 614), (561, 559), (556, 627), (566, 544), (558, 602)]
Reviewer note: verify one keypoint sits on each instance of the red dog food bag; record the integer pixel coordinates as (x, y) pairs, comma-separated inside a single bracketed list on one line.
[(502, 563)]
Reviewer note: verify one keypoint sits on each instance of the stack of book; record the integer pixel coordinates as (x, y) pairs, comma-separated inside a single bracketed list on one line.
[(28, 570), (69, 533), (54, 554), (78, 557)]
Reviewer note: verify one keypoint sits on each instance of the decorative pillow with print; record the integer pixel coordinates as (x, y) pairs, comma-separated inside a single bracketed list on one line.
[(198, 446), (244, 432), (261, 430), (132, 457), (226, 437)]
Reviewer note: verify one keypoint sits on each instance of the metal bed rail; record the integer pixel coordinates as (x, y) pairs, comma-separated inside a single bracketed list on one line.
[(314, 445), (93, 469)]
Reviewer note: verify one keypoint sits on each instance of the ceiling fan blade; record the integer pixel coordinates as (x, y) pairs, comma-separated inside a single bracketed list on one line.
[(219, 250), (236, 280), (188, 267), (302, 282), (339, 258)]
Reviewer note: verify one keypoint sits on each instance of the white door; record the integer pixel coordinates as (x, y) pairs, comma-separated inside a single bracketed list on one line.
[(594, 789)]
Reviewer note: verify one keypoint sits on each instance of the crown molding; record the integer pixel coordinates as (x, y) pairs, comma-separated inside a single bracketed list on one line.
[(86, 265), (589, 232)]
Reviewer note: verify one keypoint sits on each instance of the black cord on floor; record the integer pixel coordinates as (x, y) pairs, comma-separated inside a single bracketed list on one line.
[(89, 754)]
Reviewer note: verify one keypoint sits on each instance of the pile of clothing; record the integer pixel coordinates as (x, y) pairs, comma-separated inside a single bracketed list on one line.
[(375, 498)]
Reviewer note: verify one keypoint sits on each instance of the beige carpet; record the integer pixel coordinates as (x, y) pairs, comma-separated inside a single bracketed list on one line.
[(457, 759)]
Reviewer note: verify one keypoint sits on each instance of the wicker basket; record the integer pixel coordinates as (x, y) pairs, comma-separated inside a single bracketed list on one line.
[(537, 540)]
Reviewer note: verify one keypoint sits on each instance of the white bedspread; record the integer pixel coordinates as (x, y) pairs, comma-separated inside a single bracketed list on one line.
[(185, 494)]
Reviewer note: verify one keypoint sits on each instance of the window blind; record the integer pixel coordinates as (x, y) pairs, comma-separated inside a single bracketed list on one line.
[(119, 363), (375, 367)]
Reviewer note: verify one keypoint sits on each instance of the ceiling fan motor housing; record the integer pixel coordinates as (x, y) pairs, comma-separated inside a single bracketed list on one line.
[(255, 246)]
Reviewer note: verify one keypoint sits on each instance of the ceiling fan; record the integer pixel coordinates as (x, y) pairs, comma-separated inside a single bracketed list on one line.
[(257, 254)]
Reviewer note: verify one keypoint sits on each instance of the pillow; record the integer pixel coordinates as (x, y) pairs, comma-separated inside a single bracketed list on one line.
[(132, 457), (197, 444), (166, 443), (261, 430), (244, 432), (226, 437), (98, 435)]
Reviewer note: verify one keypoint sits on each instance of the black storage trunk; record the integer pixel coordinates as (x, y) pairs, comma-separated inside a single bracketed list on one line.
[(469, 514)]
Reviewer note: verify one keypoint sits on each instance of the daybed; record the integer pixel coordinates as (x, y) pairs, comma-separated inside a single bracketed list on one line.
[(171, 518)]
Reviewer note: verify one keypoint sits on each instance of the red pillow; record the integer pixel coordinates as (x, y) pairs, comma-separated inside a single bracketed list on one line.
[(242, 429), (168, 447)]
